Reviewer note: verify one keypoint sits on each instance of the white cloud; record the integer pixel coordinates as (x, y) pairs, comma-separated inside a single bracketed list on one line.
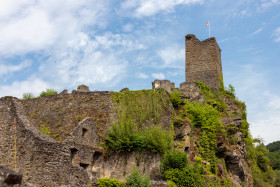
[(150, 7), (158, 76), (255, 32), (7, 69), (142, 75), (269, 3), (267, 120), (17, 88), (97, 61), (263, 105), (173, 57), (28, 26), (276, 34)]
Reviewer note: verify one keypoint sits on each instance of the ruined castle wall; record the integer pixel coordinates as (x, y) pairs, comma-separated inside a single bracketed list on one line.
[(25, 149), (71, 160), (62, 113), (203, 61)]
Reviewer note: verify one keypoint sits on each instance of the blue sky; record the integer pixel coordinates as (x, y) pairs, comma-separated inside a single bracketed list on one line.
[(112, 44)]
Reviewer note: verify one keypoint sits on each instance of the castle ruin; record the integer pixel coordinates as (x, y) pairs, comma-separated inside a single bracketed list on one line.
[(203, 61)]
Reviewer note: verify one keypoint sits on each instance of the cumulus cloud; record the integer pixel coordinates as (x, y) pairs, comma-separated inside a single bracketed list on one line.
[(17, 88), (173, 57), (276, 34), (142, 8), (28, 26), (7, 69), (158, 76)]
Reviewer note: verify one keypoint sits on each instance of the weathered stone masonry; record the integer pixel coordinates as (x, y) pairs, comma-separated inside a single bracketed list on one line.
[(203, 61)]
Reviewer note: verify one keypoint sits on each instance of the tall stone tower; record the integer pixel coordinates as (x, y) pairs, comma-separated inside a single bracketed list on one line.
[(203, 61)]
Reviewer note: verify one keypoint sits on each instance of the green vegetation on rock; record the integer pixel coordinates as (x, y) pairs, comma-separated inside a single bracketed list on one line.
[(48, 92), (135, 179), (27, 96), (127, 136), (106, 182), (139, 115), (178, 172), (176, 99)]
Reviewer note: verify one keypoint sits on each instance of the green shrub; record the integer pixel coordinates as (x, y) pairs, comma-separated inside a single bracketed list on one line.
[(127, 137), (135, 179), (188, 176), (48, 92), (231, 89), (173, 160), (124, 137), (175, 99), (157, 139), (106, 182), (171, 184), (27, 96)]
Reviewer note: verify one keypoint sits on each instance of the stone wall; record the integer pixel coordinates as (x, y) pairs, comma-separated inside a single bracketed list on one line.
[(62, 113), (165, 84), (70, 155), (38, 157), (203, 61)]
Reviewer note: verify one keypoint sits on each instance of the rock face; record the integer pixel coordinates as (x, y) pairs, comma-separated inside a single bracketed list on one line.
[(9, 177), (191, 91), (234, 155)]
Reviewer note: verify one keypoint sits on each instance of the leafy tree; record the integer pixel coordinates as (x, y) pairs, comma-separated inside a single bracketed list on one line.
[(274, 146)]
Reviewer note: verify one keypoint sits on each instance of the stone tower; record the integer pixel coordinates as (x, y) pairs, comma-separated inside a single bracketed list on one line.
[(203, 61)]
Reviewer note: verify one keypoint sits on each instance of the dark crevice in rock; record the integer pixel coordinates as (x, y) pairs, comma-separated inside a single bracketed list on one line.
[(73, 153), (84, 131), (96, 155), (83, 165)]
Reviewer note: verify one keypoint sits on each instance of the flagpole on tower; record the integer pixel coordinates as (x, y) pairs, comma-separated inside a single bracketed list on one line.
[(208, 25), (209, 29)]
